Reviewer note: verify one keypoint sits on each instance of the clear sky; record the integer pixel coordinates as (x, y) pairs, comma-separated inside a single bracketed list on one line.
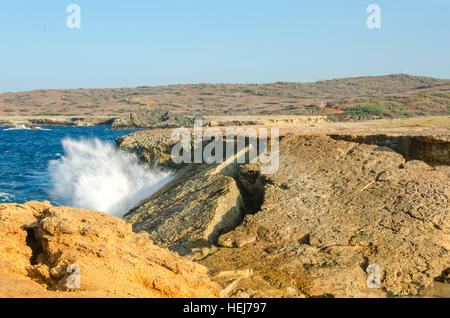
[(157, 42)]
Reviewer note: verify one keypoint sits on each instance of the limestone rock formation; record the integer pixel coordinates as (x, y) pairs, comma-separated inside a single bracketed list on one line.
[(314, 227), (151, 147), (336, 207), (154, 118), (287, 120), (433, 149), (41, 242), (191, 212)]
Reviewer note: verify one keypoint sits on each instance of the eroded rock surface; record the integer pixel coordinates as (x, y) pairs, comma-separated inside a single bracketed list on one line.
[(39, 242), (432, 149), (336, 207), (191, 213), (333, 208), (154, 118), (151, 147)]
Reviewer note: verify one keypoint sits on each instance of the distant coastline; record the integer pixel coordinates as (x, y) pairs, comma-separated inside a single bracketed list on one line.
[(56, 121)]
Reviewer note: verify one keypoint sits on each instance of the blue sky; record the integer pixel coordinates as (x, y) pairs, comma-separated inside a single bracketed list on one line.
[(133, 42)]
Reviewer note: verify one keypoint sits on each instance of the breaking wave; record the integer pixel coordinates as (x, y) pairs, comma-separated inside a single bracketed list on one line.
[(18, 127), (97, 175)]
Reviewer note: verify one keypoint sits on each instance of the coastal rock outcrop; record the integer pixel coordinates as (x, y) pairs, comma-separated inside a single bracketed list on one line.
[(264, 120), (190, 214), (154, 118), (333, 208), (43, 246), (151, 147), (434, 149), (58, 121)]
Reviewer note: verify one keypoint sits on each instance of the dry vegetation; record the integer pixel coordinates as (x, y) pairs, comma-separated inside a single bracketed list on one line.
[(392, 96)]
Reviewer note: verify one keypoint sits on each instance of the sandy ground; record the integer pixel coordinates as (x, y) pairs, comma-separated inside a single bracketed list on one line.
[(408, 126)]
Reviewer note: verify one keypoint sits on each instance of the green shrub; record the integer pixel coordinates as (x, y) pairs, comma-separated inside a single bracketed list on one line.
[(401, 111), (364, 111)]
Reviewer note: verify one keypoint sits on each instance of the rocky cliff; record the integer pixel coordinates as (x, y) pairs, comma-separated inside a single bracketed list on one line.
[(311, 229), (432, 149), (41, 242)]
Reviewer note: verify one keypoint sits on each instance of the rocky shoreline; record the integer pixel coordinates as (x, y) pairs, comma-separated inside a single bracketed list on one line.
[(339, 203), (57, 121), (157, 119), (311, 229)]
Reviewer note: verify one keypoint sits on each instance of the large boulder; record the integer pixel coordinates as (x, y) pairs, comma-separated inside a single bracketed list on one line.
[(190, 212)]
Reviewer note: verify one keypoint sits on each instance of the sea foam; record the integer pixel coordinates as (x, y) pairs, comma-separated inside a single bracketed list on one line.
[(18, 127), (6, 197), (97, 175)]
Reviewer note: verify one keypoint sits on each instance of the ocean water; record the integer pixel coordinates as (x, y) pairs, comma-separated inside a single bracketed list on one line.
[(73, 166)]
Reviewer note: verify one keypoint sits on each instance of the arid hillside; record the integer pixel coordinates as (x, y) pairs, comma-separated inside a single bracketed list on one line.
[(390, 96)]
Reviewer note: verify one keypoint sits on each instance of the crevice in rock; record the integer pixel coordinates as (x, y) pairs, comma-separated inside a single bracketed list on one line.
[(251, 184), (364, 264), (444, 277), (34, 241), (305, 240), (433, 150), (40, 262)]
